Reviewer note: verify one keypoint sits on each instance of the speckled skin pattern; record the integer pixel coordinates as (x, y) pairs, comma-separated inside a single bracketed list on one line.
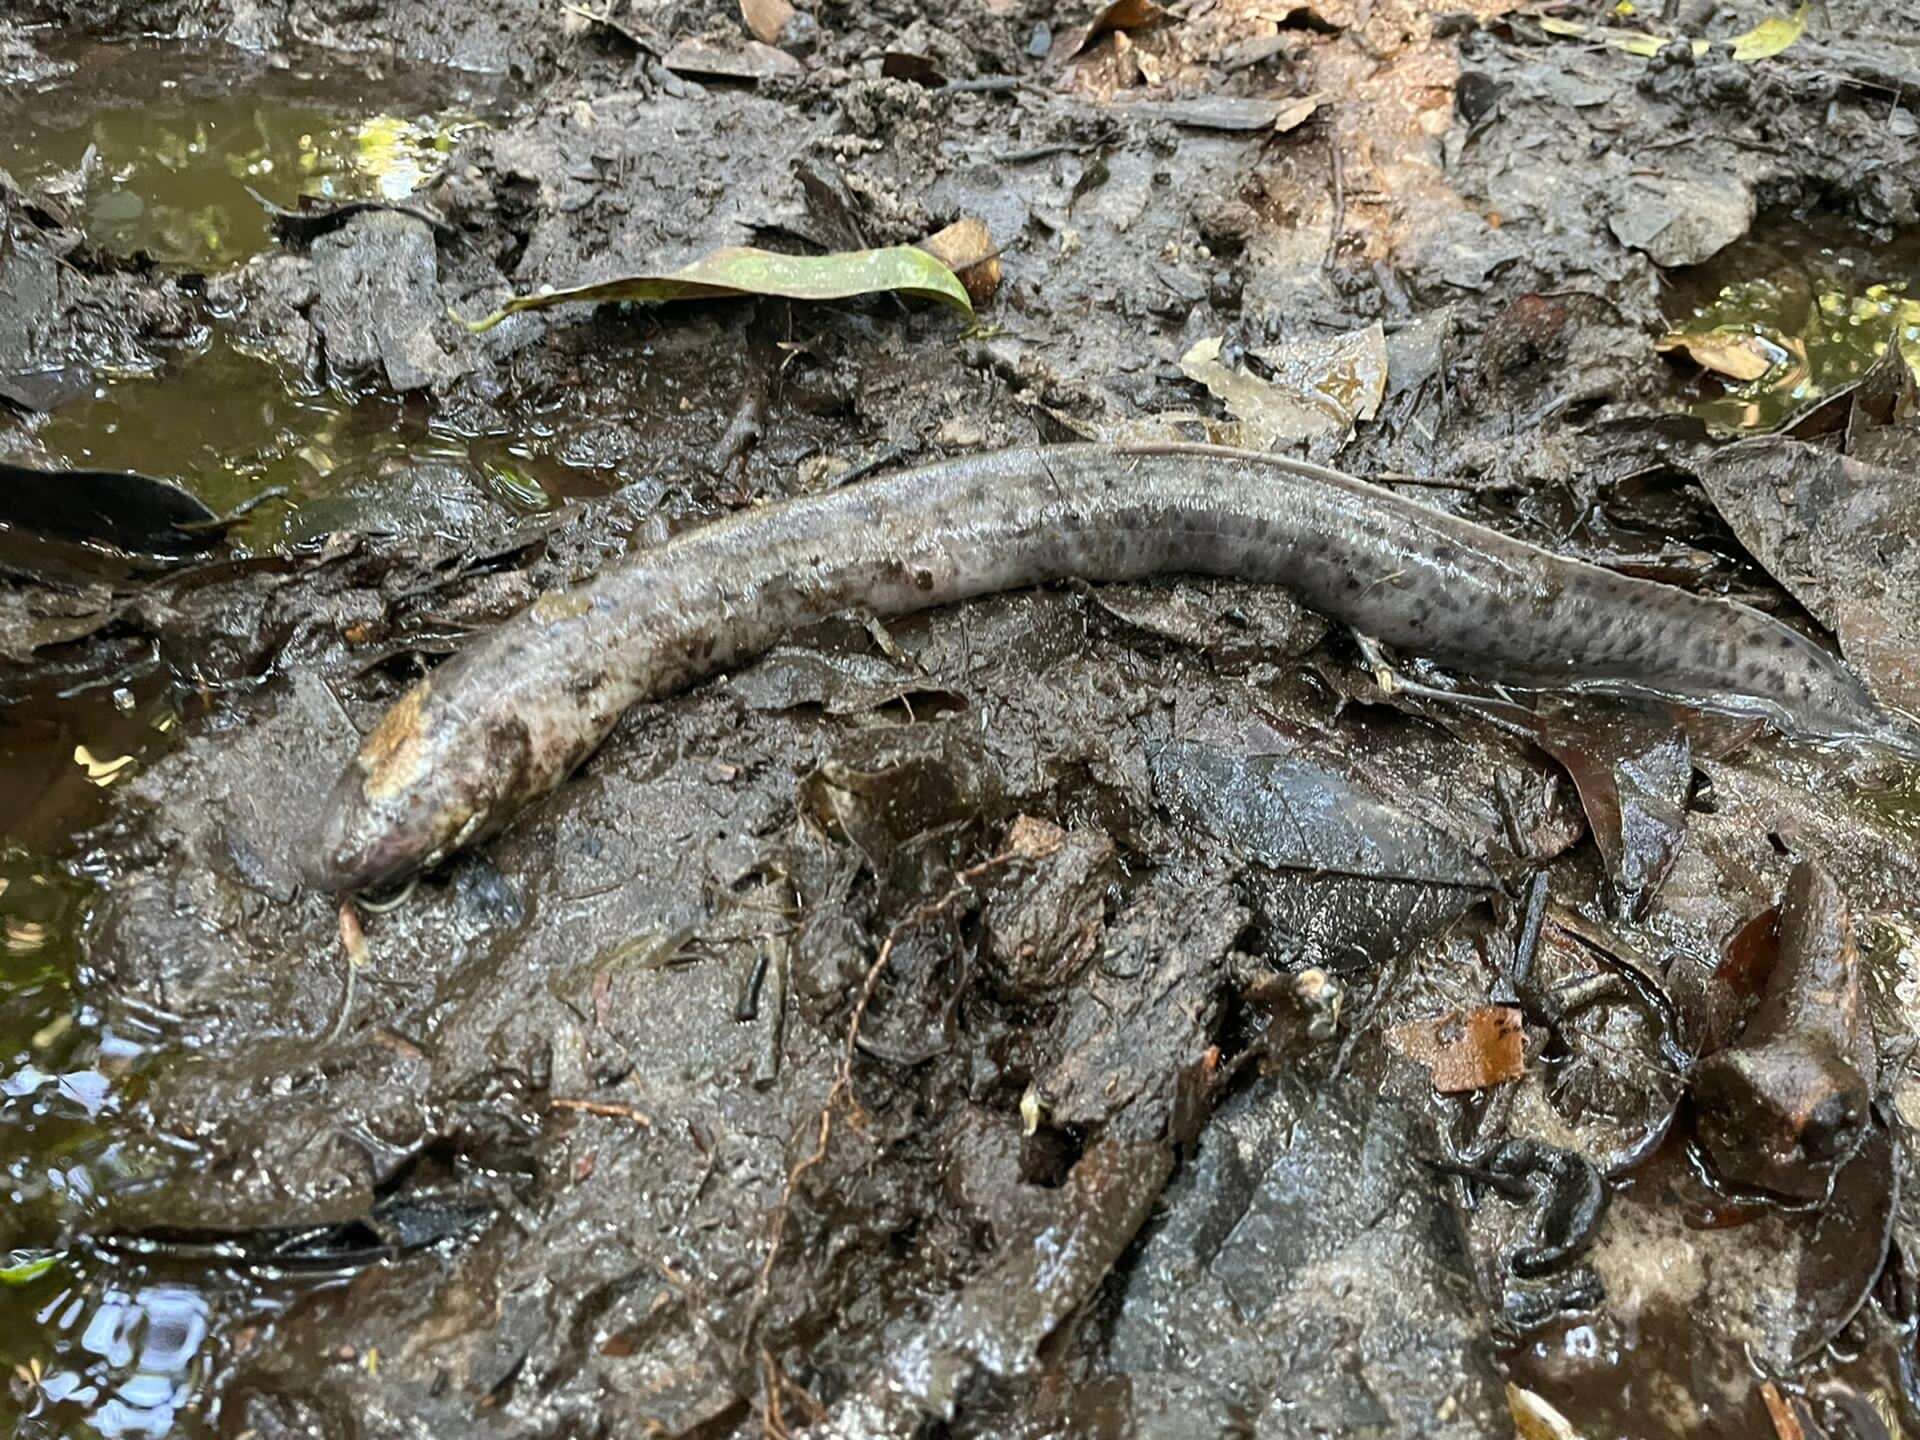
[(510, 717)]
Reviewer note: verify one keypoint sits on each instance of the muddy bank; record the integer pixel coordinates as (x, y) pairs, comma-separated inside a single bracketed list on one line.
[(1346, 1042)]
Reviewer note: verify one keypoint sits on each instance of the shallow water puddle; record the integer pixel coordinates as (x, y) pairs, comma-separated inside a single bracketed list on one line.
[(156, 146), (110, 1348), (324, 449), (1785, 318)]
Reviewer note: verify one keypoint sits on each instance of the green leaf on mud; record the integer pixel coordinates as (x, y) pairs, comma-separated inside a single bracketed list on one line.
[(1633, 42), (1771, 35), (743, 270), (25, 1272)]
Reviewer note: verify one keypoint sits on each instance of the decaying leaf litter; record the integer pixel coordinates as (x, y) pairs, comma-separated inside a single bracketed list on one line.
[(733, 1082)]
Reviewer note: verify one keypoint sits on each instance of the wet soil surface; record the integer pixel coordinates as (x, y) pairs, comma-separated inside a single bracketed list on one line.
[(1099, 1011)]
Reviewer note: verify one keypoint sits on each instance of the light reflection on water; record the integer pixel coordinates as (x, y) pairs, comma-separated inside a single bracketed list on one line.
[(89, 1344), (154, 148), (325, 449), (1809, 307), (132, 1356)]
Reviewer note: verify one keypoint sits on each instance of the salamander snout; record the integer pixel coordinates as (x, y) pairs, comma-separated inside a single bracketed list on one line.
[(389, 814), (358, 846)]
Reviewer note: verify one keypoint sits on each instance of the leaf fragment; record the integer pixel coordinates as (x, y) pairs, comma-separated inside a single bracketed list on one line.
[(1318, 385), (742, 60), (1771, 36), (1535, 1419), (1632, 42), (1118, 16), (25, 1272), (766, 18), (1465, 1050), (744, 270), (1233, 113), (1737, 354), (966, 247)]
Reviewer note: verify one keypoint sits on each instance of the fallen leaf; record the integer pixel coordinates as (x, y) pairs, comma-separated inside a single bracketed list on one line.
[(745, 60), (1842, 536), (1120, 15), (966, 247), (112, 507), (1632, 772), (1346, 875), (1737, 354), (1771, 35), (766, 18), (1319, 386), (1267, 413), (1226, 112), (1535, 1419), (1465, 1050), (1633, 42), (743, 270), (25, 1272), (1350, 369), (1030, 838), (1295, 113)]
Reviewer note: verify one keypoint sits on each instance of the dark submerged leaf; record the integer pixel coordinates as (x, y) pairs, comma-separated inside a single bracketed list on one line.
[(107, 507)]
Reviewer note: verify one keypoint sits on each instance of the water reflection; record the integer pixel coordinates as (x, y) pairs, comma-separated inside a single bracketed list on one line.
[(135, 1354), (323, 448), (156, 147), (1780, 322), (121, 1349)]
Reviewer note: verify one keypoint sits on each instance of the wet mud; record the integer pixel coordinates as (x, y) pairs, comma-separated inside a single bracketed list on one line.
[(1135, 1010)]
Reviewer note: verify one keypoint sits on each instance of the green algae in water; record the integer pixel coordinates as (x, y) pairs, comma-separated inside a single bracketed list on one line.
[(154, 149), (1814, 325)]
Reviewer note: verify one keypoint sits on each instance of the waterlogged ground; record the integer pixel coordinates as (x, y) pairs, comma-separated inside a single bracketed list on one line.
[(1367, 1062)]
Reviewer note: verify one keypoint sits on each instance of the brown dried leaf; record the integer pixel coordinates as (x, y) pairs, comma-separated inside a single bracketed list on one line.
[(1294, 113), (766, 18), (1235, 114), (1468, 1050), (1535, 1419), (1737, 354), (1120, 15), (966, 247), (1031, 838), (748, 60), (1320, 385)]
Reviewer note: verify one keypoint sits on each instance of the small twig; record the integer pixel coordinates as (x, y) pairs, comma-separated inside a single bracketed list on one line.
[(982, 85), (963, 886), (235, 515), (1339, 191), (354, 941), (386, 905), (1442, 482), (610, 1108)]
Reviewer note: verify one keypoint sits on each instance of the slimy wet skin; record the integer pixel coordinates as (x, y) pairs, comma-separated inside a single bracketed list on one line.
[(510, 717)]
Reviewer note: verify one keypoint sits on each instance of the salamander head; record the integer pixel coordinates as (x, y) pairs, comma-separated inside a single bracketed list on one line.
[(399, 806)]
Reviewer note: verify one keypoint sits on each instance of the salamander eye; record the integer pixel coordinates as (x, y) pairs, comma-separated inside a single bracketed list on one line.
[(1833, 1129)]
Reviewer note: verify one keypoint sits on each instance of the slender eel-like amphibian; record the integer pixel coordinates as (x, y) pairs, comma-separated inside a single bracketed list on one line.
[(508, 718)]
